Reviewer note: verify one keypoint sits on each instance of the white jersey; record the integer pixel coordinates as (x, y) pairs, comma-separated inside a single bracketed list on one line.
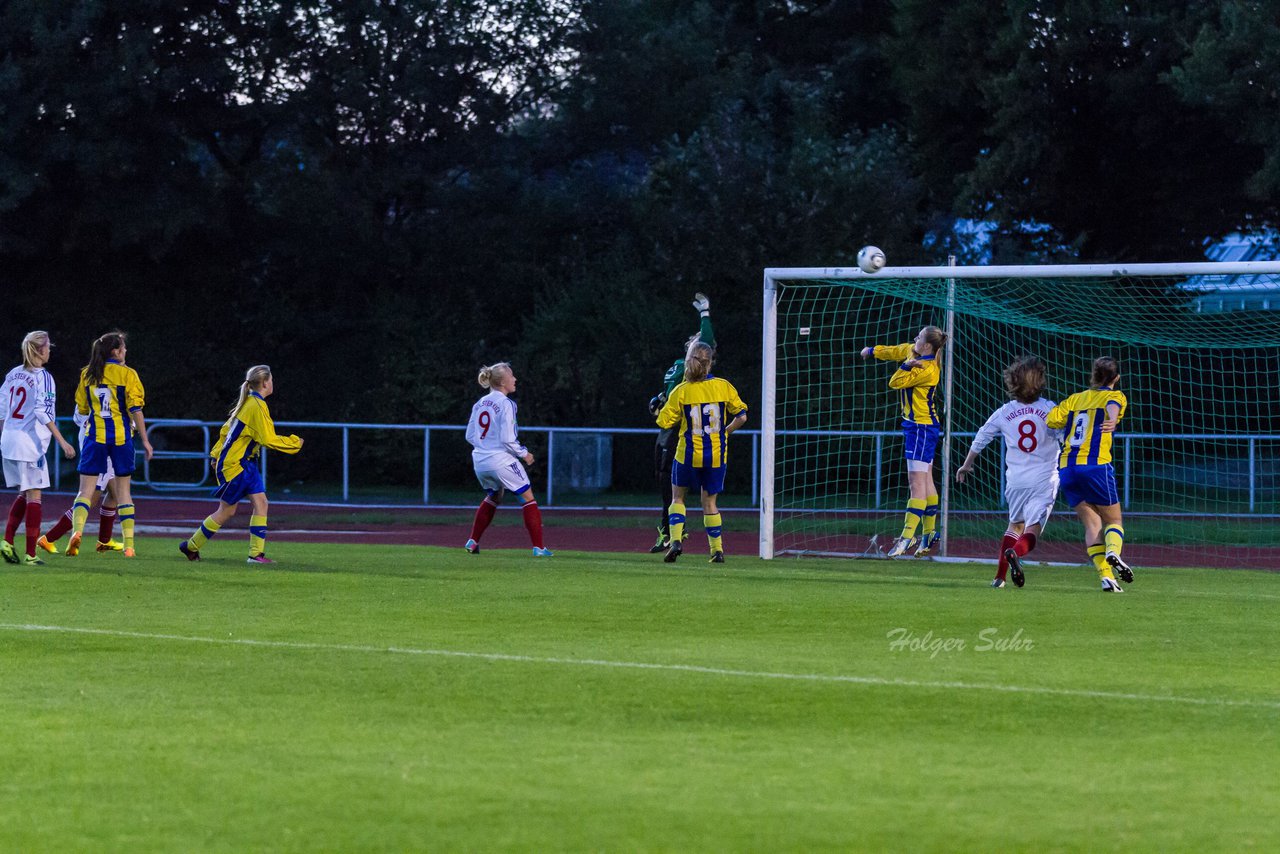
[(1031, 446), (491, 430), (27, 400)]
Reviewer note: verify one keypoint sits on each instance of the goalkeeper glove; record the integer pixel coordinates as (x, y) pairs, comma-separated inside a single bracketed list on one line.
[(702, 304), (656, 402)]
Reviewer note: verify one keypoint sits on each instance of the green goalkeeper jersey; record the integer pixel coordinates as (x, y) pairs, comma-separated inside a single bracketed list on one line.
[(675, 374)]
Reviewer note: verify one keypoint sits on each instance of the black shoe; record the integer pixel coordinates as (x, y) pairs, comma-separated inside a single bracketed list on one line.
[(664, 541), (718, 557), (1015, 568), (1122, 569), (673, 552)]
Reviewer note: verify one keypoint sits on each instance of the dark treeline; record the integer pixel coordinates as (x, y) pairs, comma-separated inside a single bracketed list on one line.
[(377, 197)]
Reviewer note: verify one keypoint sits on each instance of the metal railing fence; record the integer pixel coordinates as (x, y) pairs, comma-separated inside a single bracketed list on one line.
[(205, 432)]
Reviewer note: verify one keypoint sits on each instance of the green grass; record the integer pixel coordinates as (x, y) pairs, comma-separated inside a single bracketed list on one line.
[(316, 706)]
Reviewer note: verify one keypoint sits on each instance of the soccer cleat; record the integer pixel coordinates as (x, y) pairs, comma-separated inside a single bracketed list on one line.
[(541, 552), (1015, 568), (673, 551), (901, 545), (192, 554), (927, 542), (6, 549), (997, 583), (128, 552), (32, 560), (717, 557), (664, 540), (1109, 586), (110, 546), (73, 545), (1122, 569), (259, 559), (473, 547), (46, 545)]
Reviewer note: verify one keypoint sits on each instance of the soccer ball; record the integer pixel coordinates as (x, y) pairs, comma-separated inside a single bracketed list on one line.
[(870, 259)]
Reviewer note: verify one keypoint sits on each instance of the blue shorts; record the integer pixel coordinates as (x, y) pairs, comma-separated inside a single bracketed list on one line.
[(1094, 484), (94, 457), (920, 441), (709, 480), (248, 482)]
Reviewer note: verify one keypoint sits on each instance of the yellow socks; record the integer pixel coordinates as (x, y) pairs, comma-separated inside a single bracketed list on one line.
[(204, 533), (257, 535), (675, 521), (79, 514), (1097, 554), (126, 524), (930, 513), (712, 521), (1113, 538), (915, 512)]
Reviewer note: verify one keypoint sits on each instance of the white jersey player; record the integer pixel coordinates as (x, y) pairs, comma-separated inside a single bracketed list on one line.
[(28, 401), (497, 455), (1031, 451)]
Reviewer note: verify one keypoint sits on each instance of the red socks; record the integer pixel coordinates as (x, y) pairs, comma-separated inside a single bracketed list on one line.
[(533, 523), (1025, 543), (59, 528), (106, 521), (1002, 568), (484, 515), (16, 514), (33, 526)]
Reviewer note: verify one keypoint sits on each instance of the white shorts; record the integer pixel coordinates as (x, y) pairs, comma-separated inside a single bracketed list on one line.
[(106, 476), (26, 475), (510, 477), (1032, 505)]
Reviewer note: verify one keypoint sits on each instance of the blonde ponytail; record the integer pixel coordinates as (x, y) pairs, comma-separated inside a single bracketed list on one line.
[(697, 362), (489, 374), (254, 378), (31, 346)]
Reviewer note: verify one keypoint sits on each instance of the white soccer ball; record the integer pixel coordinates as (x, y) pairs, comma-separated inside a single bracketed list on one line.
[(870, 259)]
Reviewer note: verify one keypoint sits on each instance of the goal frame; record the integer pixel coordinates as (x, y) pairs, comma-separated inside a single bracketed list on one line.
[(775, 277)]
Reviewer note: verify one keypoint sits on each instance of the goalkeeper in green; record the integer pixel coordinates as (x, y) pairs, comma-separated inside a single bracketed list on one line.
[(664, 450)]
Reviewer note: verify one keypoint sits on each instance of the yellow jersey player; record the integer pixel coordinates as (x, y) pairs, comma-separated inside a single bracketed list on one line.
[(111, 396), (916, 382), (235, 466), (706, 410), (1087, 478), (664, 450)]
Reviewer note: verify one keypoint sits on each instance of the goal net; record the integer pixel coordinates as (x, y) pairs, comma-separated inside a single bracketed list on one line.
[(1197, 455)]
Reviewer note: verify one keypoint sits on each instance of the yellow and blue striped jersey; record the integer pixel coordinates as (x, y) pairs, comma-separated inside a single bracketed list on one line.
[(917, 387), (1082, 414), (244, 435), (703, 409), (109, 403)]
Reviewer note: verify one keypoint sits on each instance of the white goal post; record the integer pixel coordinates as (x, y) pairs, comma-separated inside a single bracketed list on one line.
[(829, 469)]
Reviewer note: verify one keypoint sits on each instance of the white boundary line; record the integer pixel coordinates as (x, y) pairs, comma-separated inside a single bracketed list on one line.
[(876, 681)]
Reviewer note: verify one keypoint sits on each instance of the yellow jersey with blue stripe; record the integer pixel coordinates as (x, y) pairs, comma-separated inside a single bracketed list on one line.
[(108, 404), (1082, 414), (703, 409), (917, 387), (245, 435)]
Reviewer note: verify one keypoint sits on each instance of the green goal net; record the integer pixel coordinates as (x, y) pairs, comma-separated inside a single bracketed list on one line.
[(1197, 455)]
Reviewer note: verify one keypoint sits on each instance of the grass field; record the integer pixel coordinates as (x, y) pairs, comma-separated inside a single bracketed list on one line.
[(391, 699)]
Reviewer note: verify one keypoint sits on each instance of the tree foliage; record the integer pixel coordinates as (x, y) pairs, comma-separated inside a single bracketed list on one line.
[(378, 196)]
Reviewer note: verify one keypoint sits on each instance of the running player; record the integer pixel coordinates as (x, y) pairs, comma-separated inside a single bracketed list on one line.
[(1031, 462)]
